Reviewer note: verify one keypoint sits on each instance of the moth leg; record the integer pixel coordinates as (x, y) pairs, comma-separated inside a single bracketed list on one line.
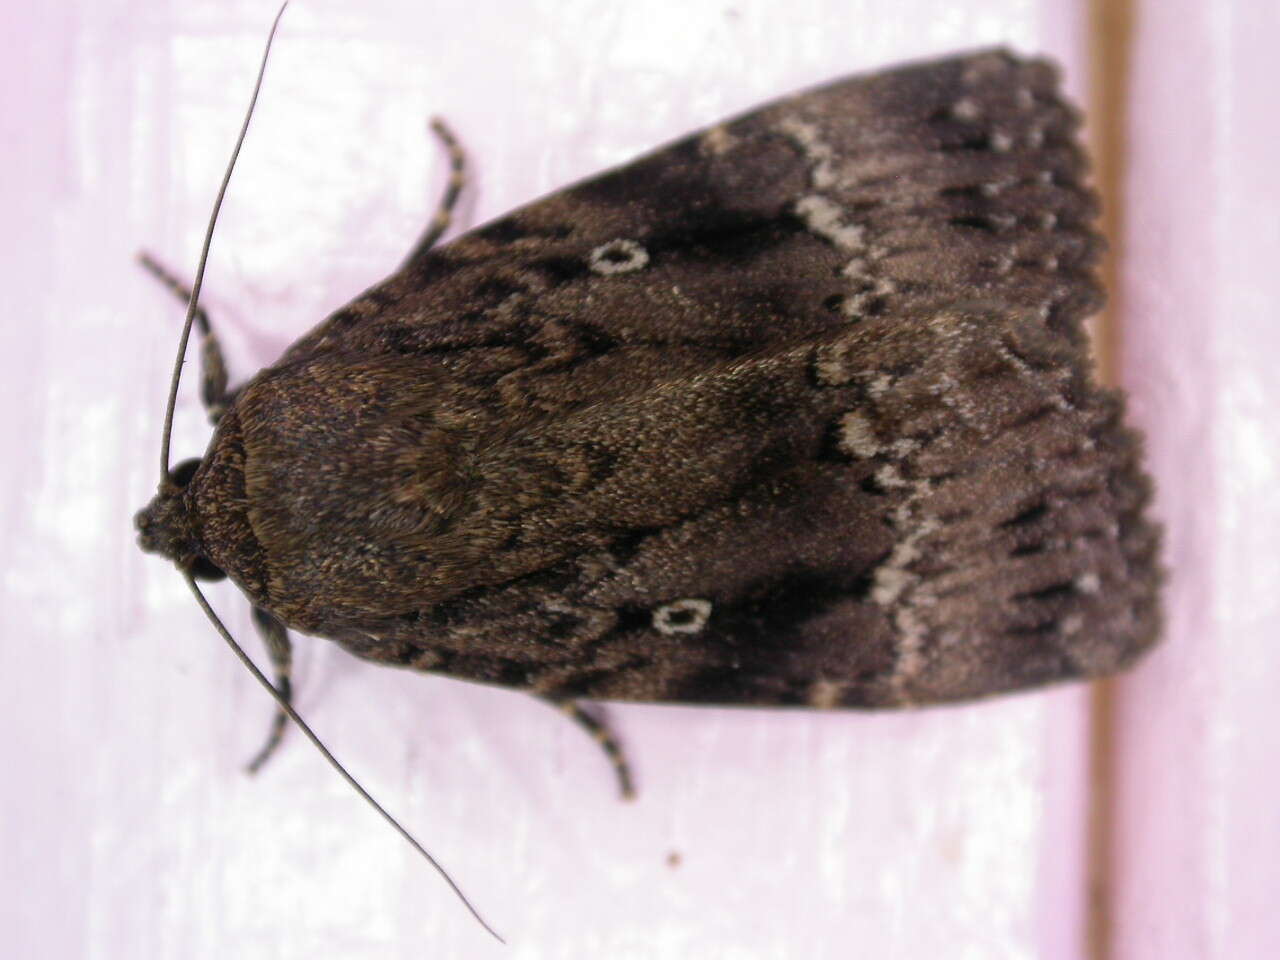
[(457, 180), (276, 638), (213, 369), (601, 734)]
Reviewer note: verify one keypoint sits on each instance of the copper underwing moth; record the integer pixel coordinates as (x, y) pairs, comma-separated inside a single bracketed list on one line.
[(797, 410)]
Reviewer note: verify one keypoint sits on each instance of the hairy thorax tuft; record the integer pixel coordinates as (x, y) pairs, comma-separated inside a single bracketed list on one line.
[(165, 526)]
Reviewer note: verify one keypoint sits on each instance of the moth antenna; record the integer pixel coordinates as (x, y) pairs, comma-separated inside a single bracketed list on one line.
[(194, 301), (192, 307), (333, 761)]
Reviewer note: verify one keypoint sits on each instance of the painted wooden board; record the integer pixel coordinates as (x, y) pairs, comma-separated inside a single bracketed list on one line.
[(129, 828)]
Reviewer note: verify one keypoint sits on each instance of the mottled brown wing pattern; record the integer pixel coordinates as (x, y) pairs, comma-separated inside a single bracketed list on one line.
[(794, 410)]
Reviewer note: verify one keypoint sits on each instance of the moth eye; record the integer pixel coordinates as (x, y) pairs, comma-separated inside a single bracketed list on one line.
[(202, 569), (183, 472)]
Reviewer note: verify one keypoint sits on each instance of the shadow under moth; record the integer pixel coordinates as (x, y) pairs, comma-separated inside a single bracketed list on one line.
[(796, 410)]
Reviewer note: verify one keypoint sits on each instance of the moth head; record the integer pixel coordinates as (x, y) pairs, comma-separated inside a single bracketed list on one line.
[(165, 526)]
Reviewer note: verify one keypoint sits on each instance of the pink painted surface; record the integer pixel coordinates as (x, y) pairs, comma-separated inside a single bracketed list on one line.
[(1200, 866), (129, 828)]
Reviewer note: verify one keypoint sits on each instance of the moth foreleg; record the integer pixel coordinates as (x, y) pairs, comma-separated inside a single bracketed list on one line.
[(601, 735), (457, 180), (213, 369), (276, 639)]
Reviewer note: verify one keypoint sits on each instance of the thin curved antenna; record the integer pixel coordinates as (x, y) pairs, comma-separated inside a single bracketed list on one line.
[(249, 665), (204, 256), (324, 751)]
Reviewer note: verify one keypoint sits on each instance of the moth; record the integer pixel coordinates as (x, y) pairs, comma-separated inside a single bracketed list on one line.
[(797, 410)]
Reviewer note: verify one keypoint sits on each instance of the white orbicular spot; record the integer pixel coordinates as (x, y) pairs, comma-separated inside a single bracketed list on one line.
[(618, 256), (682, 616)]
